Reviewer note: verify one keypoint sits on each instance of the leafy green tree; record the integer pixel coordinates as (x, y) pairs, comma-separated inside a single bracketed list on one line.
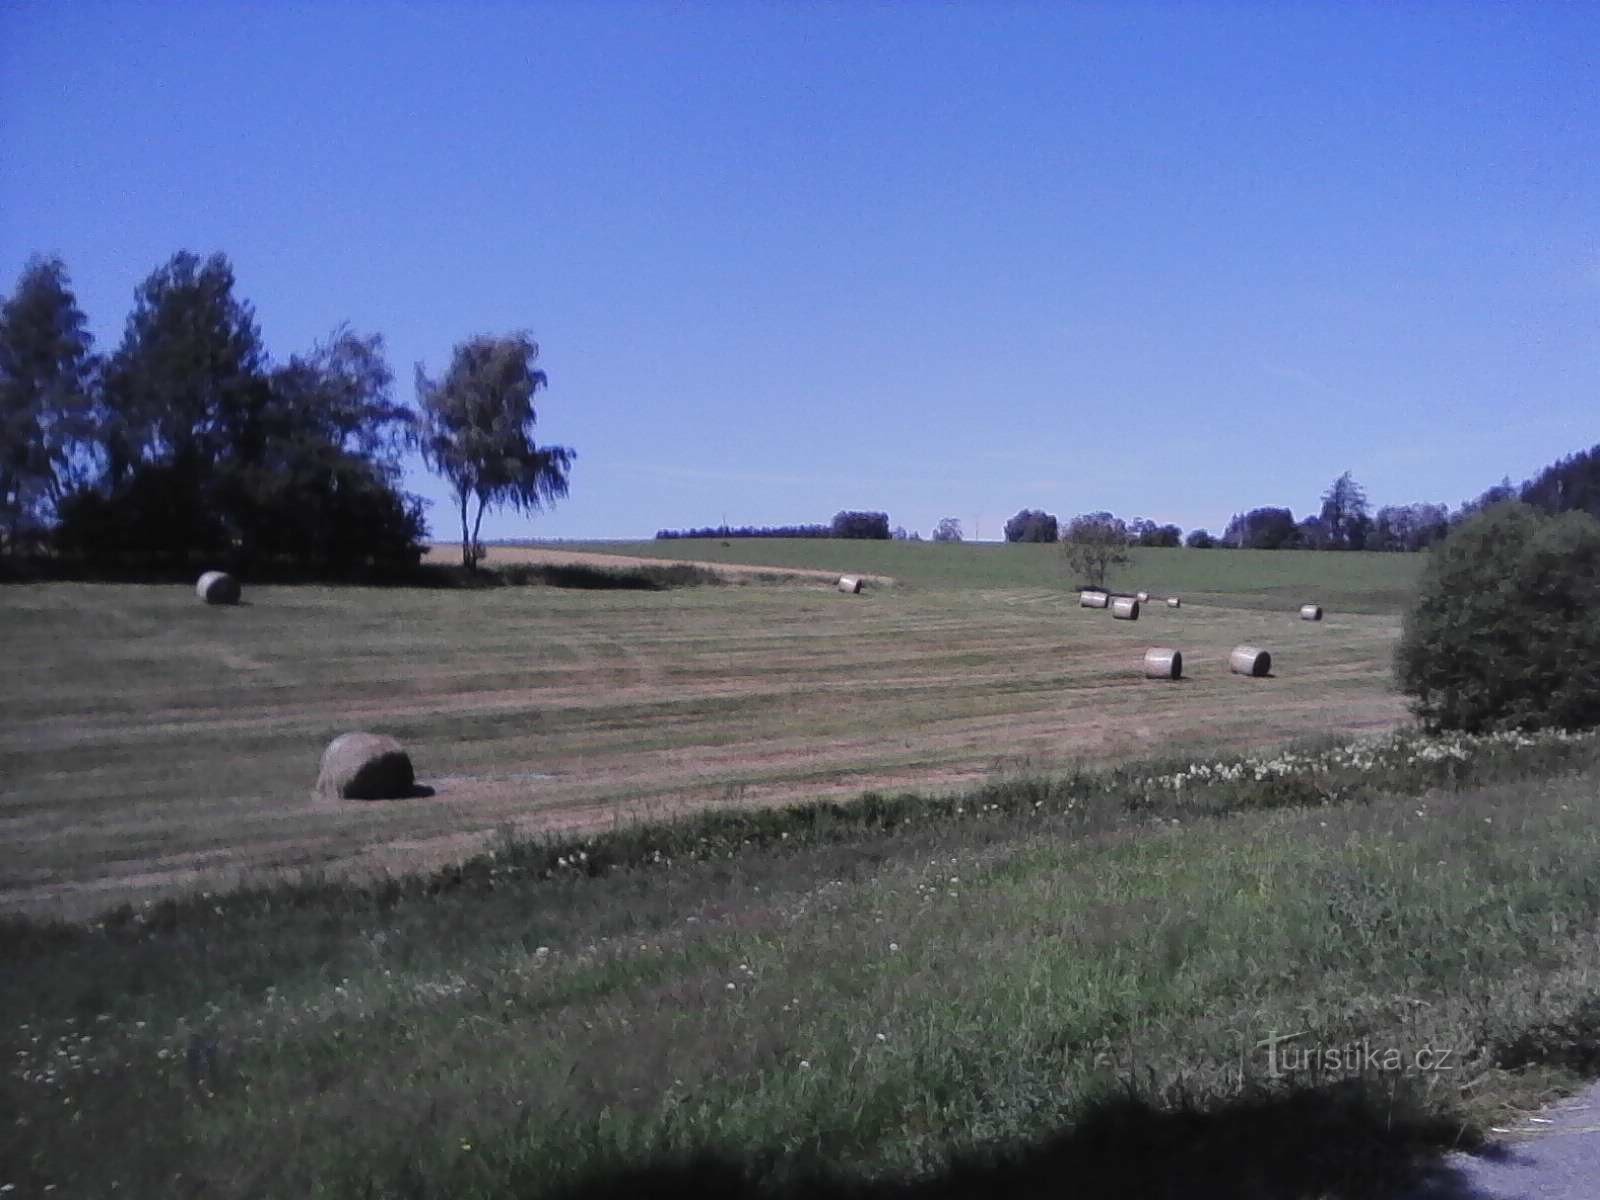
[(477, 432), (1505, 631), (209, 452), (1145, 532), (1402, 527), (326, 491), (947, 530), (46, 377), (188, 385), (1345, 518), (1093, 544)]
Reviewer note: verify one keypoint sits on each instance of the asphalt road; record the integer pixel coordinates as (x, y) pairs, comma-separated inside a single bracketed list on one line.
[(1553, 1156)]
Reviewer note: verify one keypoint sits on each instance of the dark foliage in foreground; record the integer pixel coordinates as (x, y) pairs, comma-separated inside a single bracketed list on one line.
[(1505, 632)]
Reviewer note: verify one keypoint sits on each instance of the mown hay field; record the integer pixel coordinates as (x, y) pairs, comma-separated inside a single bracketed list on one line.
[(150, 744)]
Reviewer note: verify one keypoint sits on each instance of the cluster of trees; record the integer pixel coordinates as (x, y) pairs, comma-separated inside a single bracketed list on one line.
[(1143, 532), (1032, 525), (1036, 525), (848, 524), (1346, 520), (1571, 484), (1344, 523), (188, 443), (872, 526)]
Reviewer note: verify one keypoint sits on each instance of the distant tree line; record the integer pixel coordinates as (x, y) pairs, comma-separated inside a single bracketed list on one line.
[(1345, 521), (860, 525), (188, 444), (747, 531)]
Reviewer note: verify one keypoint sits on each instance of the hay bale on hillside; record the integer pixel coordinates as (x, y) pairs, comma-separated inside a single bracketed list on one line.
[(365, 766), (1162, 662), (1174, 602), (1144, 597), (1093, 599), (217, 587), (1125, 608), (850, 584), (1311, 612), (1248, 660)]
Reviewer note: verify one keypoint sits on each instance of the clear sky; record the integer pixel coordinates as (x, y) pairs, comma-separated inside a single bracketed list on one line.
[(1172, 260)]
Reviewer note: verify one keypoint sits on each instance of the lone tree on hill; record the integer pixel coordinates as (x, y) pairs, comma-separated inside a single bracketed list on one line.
[(947, 530), (1094, 543), (477, 432)]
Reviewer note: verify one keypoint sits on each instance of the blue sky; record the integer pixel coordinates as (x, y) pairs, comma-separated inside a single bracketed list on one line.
[(1169, 260)]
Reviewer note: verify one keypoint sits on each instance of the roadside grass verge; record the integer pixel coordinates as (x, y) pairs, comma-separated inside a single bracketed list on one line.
[(968, 993)]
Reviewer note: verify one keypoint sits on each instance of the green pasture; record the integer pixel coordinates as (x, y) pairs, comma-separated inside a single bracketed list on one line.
[(1354, 582)]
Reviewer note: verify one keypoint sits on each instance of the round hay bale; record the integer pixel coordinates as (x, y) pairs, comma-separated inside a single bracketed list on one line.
[(1093, 599), (1311, 612), (1125, 608), (850, 584), (1144, 597), (365, 766), (217, 587), (1174, 602), (1161, 662), (1247, 660)]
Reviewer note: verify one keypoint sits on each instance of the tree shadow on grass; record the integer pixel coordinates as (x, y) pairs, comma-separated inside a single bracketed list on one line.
[(1343, 1141)]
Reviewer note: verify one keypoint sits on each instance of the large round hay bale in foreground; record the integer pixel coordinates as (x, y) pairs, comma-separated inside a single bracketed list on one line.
[(850, 584), (365, 766), (1248, 660), (1125, 608), (1174, 602), (1093, 599), (217, 587), (1311, 612), (1162, 662)]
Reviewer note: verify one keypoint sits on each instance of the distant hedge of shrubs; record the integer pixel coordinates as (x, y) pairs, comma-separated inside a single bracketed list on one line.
[(865, 525), (747, 531)]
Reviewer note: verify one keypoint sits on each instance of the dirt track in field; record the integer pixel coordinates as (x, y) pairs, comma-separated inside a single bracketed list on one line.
[(150, 744), (449, 552)]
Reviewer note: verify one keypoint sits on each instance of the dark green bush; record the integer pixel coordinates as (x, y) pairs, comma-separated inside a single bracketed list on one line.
[(1505, 631)]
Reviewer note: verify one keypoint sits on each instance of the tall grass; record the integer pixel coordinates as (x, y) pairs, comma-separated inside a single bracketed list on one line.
[(968, 992)]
